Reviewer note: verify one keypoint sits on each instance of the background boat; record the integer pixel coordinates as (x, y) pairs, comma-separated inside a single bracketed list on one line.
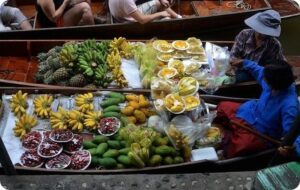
[(205, 18), (251, 162), (19, 65)]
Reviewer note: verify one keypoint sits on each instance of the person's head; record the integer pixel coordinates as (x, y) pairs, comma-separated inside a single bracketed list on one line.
[(266, 23), (278, 74)]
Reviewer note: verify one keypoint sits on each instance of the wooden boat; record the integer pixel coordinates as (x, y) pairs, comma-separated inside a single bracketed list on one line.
[(19, 65), (251, 162), (204, 18)]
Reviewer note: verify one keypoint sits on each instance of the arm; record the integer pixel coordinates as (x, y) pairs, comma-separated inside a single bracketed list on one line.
[(49, 9), (143, 19), (251, 66)]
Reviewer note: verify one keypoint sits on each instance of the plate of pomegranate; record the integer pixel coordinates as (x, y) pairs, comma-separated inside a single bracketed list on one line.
[(109, 126), (49, 149), (80, 160), (46, 134), (61, 161), (32, 140), (30, 158), (61, 135), (74, 145)]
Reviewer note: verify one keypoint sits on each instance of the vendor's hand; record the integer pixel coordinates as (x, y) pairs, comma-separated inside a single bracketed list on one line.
[(165, 3), (235, 62), (286, 151)]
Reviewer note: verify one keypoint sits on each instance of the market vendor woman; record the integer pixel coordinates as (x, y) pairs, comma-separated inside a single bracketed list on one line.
[(272, 114), (259, 43)]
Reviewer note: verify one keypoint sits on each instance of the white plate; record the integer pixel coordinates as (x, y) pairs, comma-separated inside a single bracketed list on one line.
[(164, 51), (159, 58), (58, 168), (38, 152)]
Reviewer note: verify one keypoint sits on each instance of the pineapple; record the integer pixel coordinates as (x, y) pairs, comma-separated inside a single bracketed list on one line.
[(77, 80), (61, 74)]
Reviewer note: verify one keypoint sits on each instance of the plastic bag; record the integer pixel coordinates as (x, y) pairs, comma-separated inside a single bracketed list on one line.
[(218, 58)]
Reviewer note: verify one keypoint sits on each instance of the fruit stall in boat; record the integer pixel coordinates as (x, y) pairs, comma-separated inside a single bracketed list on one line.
[(203, 17), (121, 64), (81, 131)]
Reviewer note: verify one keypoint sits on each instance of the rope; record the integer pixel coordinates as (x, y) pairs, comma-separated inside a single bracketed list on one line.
[(239, 4)]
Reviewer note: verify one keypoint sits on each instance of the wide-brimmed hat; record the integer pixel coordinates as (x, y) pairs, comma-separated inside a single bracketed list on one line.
[(267, 22)]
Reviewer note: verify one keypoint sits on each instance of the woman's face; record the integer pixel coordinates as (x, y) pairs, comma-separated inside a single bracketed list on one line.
[(260, 37)]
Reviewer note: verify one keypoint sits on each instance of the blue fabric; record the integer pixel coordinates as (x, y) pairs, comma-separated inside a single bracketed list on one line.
[(271, 115), (242, 76)]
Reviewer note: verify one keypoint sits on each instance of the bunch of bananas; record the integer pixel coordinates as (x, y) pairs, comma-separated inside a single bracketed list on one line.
[(90, 60), (42, 105), (122, 46), (18, 103), (101, 77), (24, 125), (84, 102), (91, 120), (87, 45), (114, 62), (68, 55), (138, 155), (59, 119), (76, 120)]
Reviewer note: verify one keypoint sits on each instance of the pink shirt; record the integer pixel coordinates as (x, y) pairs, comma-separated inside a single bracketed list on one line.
[(121, 9)]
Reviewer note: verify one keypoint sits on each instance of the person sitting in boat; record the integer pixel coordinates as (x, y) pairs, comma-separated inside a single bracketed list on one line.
[(128, 11), (258, 43), (52, 13), (272, 114), (12, 18)]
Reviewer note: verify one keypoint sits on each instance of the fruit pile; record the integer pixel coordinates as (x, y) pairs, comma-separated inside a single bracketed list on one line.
[(132, 147), (57, 149), (76, 64)]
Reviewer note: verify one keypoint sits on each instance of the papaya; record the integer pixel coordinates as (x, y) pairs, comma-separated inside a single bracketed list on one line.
[(111, 153), (93, 151), (132, 97), (108, 162), (113, 144), (159, 141), (124, 160), (100, 139), (140, 116), (168, 160), (110, 102), (95, 161), (178, 160), (88, 145), (101, 149), (113, 108), (120, 166), (131, 119), (117, 95), (112, 114), (134, 104), (164, 150), (155, 160), (124, 151)]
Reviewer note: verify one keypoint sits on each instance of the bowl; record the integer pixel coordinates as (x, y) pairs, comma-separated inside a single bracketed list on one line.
[(180, 45), (109, 126)]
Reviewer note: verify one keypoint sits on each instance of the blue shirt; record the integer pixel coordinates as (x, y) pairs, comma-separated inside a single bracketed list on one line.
[(271, 115)]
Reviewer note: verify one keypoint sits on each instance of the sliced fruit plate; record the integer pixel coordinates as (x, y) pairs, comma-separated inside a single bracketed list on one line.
[(167, 73), (158, 42), (30, 158), (109, 126), (191, 102), (188, 86), (165, 48), (180, 45), (174, 103), (32, 140), (164, 57), (80, 160), (49, 149), (61, 135), (74, 145), (61, 161), (176, 64)]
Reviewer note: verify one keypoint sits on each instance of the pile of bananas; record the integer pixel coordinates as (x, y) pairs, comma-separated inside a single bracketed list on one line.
[(76, 120), (59, 119), (18, 103), (89, 61), (24, 125), (114, 62), (121, 44), (84, 102), (102, 78), (91, 120), (42, 105), (68, 55)]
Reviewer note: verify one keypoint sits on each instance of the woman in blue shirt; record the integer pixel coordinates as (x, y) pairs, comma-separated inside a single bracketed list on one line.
[(272, 114)]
